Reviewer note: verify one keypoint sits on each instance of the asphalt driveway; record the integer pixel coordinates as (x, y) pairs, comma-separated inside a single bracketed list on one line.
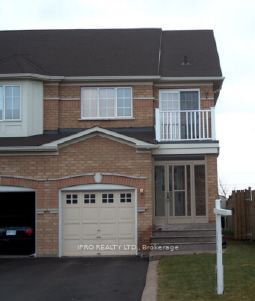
[(72, 279)]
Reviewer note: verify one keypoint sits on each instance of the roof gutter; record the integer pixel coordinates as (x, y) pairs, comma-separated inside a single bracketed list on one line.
[(41, 148), (108, 78), (76, 78), (191, 78)]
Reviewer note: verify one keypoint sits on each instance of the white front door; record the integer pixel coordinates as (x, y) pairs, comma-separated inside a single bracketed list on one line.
[(98, 223)]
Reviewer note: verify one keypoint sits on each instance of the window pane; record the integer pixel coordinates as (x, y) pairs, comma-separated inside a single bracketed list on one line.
[(1, 102), (124, 100), (106, 102), (169, 101), (16, 91), (124, 112), (189, 100), (8, 104), (179, 203), (8, 91), (179, 177), (12, 102), (124, 92), (89, 98)]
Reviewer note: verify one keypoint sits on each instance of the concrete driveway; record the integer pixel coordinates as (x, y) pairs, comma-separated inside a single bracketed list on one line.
[(72, 279)]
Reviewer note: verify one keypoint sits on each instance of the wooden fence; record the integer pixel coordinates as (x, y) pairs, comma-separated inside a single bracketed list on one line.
[(242, 221)]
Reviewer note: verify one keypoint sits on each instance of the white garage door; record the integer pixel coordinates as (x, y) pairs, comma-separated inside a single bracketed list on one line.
[(98, 223)]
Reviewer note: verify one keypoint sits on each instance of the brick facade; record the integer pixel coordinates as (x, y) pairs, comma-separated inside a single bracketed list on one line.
[(48, 174), (62, 108), (76, 163)]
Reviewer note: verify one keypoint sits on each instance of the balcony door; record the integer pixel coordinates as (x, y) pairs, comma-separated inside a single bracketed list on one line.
[(179, 111), (180, 193)]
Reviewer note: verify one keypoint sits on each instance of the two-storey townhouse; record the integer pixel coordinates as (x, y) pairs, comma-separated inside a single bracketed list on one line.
[(107, 136)]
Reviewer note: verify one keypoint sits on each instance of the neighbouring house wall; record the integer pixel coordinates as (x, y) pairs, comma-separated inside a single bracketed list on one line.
[(31, 121), (212, 182), (62, 107), (49, 173)]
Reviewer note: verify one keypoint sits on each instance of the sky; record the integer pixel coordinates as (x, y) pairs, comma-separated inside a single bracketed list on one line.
[(233, 22)]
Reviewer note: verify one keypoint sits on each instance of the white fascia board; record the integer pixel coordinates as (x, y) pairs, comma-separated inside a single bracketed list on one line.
[(78, 78), (186, 149), (137, 143), (40, 148), (15, 189), (195, 78), (109, 78)]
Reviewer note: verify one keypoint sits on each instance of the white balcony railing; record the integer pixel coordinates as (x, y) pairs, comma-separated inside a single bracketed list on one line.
[(185, 125)]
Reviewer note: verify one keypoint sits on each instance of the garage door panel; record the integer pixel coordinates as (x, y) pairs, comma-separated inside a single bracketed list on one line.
[(108, 230), (89, 230), (107, 214), (71, 214), (89, 214), (104, 223), (71, 247), (71, 230)]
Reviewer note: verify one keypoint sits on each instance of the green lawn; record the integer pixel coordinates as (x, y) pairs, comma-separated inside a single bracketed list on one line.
[(192, 277)]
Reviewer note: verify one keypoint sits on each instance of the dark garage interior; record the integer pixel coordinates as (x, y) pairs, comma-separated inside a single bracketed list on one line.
[(17, 223)]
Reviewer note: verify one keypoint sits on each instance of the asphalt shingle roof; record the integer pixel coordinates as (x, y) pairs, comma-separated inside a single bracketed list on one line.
[(109, 52)]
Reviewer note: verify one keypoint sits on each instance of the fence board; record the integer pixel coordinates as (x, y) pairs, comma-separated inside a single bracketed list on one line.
[(242, 221)]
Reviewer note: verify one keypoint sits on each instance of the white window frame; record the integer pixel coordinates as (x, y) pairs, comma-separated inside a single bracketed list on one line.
[(179, 92), (115, 104), (3, 108)]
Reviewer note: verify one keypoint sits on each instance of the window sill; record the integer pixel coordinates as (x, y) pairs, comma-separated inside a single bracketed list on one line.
[(9, 120), (106, 118)]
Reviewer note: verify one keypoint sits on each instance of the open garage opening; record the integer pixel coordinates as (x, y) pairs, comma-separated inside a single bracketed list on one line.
[(17, 223)]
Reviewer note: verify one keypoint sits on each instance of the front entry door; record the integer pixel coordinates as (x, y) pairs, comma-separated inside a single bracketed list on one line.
[(180, 193)]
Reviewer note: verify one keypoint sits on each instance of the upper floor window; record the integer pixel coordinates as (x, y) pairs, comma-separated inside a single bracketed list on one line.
[(10, 103), (183, 100), (106, 102)]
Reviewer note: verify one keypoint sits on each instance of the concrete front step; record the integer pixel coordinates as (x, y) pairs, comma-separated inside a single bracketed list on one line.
[(189, 226), (187, 233), (183, 238)]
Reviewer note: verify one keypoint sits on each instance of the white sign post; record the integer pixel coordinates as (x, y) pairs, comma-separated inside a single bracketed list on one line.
[(219, 212)]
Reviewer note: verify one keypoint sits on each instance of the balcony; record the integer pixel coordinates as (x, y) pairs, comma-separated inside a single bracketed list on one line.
[(188, 125)]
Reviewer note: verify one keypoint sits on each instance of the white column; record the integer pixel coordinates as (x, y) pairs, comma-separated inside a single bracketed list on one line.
[(157, 124), (213, 128)]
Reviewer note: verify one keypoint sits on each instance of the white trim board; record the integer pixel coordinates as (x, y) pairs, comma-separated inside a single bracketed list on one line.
[(15, 189), (97, 187), (109, 78), (97, 129), (186, 149)]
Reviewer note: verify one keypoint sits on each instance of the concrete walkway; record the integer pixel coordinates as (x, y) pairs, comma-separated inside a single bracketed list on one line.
[(151, 285)]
